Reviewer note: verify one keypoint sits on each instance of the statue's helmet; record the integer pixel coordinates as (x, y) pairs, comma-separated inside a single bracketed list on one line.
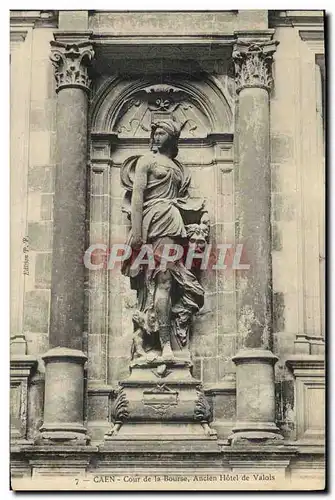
[(170, 126)]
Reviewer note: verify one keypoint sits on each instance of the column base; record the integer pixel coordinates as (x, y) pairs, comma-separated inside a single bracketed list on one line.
[(64, 396), (255, 432), (255, 391), (68, 432)]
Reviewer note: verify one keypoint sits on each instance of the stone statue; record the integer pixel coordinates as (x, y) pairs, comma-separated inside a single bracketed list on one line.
[(161, 212)]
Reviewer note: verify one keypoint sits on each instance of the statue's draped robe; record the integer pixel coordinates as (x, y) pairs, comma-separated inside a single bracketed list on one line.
[(167, 207)]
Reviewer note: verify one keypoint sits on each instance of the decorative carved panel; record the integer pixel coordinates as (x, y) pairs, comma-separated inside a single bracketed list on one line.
[(159, 102)]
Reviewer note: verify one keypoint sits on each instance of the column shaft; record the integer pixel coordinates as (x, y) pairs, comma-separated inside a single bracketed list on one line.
[(254, 207), (68, 271)]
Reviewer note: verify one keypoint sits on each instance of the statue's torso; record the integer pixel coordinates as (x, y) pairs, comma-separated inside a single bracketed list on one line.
[(160, 167)]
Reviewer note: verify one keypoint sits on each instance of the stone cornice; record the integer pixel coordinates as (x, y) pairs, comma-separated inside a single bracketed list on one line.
[(253, 56), (314, 39), (296, 18), (70, 37), (18, 34), (71, 63), (34, 18)]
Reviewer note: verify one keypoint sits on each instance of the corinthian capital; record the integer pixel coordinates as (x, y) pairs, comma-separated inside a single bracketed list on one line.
[(253, 64), (71, 62)]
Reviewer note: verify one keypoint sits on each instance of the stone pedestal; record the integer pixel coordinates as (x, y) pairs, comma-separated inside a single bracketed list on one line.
[(160, 402), (21, 369), (64, 393), (64, 376), (309, 378), (255, 398)]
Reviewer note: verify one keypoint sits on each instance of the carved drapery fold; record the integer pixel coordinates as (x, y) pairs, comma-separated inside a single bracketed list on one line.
[(253, 64), (71, 62)]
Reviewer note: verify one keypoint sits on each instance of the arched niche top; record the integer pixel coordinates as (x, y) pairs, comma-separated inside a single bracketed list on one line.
[(127, 107)]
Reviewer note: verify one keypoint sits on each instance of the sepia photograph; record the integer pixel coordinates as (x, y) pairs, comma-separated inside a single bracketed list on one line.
[(167, 250)]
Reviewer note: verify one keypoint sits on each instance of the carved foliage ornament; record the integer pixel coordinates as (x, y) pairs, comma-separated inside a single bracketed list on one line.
[(202, 410), (253, 64), (71, 62), (120, 410)]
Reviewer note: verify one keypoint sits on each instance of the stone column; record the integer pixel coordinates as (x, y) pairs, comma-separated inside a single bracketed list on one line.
[(255, 362), (64, 373)]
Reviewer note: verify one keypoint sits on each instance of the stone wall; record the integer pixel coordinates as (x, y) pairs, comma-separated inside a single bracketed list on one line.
[(296, 188), (42, 159)]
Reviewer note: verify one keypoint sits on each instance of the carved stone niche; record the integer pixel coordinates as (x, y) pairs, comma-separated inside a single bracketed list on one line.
[(159, 102)]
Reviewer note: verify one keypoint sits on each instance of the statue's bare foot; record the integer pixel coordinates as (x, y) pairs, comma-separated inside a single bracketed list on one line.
[(167, 353)]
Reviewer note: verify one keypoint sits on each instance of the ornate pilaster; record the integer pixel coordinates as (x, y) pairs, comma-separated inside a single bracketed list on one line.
[(255, 362), (64, 374), (253, 64), (71, 62)]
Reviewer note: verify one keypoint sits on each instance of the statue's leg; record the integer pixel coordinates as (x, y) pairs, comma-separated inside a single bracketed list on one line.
[(163, 310)]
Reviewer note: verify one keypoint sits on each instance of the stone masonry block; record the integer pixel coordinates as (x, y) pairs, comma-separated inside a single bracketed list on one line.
[(205, 345), (283, 206), (43, 270), (206, 320), (210, 370), (37, 344), (226, 182), (226, 367), (225, 208), (36, 310), (118, 369), (46, 206), (227, 346), (283, 177), (116, 189), (40, 235), (99, 210), (226, 279), (39, 151), (227, 312), (281, 148), (53, 147), (34, 206), (41, 178), (197, 368), (43, 115)]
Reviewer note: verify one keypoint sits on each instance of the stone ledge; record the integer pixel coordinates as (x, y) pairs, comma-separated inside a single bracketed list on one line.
[(64, 354), (307, 364), (254, 356), (22, 365), (219, 388)]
